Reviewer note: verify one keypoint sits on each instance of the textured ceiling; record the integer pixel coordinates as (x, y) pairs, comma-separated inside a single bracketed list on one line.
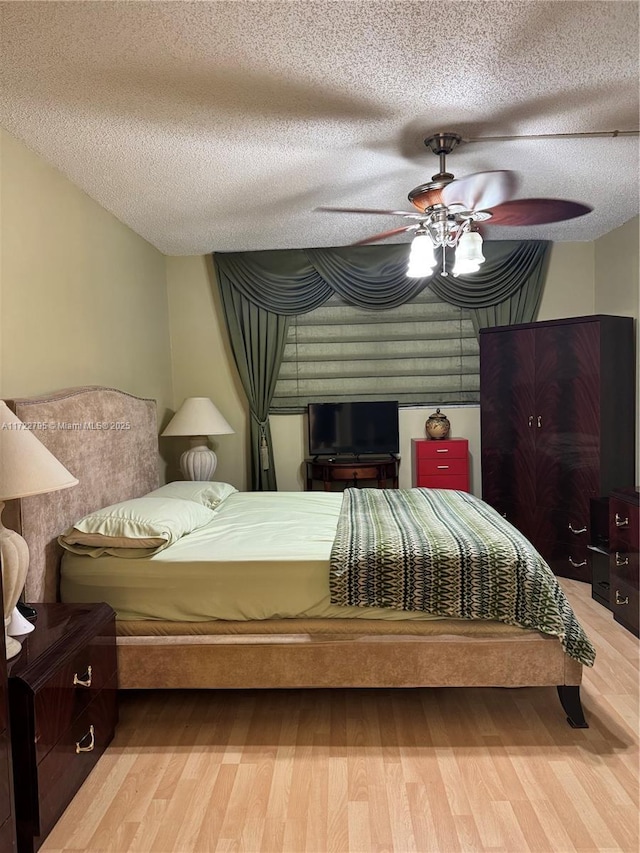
[(220, 126)]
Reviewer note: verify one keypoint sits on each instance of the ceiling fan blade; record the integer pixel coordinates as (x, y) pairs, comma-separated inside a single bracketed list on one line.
[(536, 211), (480, 190), (406, 213), (385, 234)]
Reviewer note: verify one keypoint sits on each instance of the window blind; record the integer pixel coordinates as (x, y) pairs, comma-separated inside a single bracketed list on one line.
[(423, 352)]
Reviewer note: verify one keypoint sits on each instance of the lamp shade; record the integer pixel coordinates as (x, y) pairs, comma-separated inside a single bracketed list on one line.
[(197, 416), (26, 466)]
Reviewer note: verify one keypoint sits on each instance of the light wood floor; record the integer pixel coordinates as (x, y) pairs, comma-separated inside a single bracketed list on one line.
[(372, 771)]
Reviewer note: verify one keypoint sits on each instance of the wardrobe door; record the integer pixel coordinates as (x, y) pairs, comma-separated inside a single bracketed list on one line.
[(507, 417), (567, 414)]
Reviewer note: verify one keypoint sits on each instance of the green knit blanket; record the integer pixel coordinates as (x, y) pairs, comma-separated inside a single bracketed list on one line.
[(447, 553)]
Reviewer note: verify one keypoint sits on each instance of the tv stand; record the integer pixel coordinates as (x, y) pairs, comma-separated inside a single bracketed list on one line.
[(357, 471)]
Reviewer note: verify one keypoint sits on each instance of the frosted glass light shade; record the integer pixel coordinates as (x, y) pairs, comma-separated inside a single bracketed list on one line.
[(422, 257), (470, 248), (26, 468)]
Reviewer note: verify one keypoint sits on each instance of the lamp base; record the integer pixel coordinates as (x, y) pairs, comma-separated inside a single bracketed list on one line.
[(18, 625), (14, 559), (12, 646), (198, 463)]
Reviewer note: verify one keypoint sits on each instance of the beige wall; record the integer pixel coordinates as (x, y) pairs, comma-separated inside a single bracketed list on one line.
[(202, 365), (82, 298)]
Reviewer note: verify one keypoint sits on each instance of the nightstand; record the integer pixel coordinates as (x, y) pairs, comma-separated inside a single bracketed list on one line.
[(440, 463), (63, 711)]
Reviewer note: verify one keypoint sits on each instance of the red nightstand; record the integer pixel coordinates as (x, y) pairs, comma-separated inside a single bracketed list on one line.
[(440, 464)]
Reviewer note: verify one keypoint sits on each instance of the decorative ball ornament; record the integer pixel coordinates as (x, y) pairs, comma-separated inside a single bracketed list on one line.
[(437, 425)]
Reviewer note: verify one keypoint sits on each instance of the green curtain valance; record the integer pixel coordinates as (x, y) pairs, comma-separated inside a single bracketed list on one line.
[(296, 281)]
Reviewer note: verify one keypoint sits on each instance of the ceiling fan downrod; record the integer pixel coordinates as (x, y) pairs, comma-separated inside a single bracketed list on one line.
[(443, 144)]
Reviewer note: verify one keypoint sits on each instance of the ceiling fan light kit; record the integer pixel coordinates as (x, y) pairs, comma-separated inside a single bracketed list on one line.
[(449, 209)]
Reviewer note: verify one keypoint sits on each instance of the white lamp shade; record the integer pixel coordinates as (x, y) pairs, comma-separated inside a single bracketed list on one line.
[(197, 416), (26, 466)]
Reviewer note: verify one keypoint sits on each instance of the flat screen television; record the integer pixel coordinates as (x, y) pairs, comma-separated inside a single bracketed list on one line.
[(353, 428)]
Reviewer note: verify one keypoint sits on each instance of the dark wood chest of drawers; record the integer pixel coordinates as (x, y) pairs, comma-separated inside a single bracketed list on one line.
[(440, 464), (63, 708), (624, 531)]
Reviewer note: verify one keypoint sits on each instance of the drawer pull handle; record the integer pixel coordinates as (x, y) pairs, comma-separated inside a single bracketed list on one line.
[(577, 529), (442, 450), (444, 466), (85, 681), (620, 600), (577, 565), (621, 522), (621, 561), (92, 742)]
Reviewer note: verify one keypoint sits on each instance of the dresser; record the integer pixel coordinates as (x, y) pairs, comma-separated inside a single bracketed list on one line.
[(63, 711), (624, 530), (557, 423), (7, 818), (440, 464)]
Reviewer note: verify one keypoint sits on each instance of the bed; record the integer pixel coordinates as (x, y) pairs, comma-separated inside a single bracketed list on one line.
[(108, 439)]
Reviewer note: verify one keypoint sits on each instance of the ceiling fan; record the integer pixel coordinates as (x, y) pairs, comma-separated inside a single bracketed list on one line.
[(449, 210)]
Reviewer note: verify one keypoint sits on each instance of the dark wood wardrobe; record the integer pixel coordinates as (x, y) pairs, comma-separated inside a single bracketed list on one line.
[(557, 410)]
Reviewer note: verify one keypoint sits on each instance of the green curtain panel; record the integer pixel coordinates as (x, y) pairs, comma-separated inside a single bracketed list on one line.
[(260, 290), (257, 339)]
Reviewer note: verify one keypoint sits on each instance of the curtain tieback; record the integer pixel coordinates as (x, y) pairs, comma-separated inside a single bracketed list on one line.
[(264, 444)]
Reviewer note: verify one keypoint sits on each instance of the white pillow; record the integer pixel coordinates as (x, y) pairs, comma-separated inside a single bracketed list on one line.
[(207, 493), (136, 528)]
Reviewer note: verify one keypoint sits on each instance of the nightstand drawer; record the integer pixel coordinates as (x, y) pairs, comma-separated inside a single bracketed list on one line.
[(68, 764), (444, 481), (442, 466), (69, 691), (457, 448), (624, 600), (623, 525)]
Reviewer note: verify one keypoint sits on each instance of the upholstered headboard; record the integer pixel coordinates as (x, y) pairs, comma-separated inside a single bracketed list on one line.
[(109, 441)]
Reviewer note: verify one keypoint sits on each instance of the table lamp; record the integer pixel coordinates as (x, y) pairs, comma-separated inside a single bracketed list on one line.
[(26, 468), (198, 418)]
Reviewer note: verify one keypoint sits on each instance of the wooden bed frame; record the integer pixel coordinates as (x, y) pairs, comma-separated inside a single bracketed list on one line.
[(108, 440)]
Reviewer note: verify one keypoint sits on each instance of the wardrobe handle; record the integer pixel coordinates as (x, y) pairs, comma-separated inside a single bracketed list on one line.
[(539, 421), (530, 420), (578, 529), (577, 565), (621, 522), (621, 562), (620, 600)]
